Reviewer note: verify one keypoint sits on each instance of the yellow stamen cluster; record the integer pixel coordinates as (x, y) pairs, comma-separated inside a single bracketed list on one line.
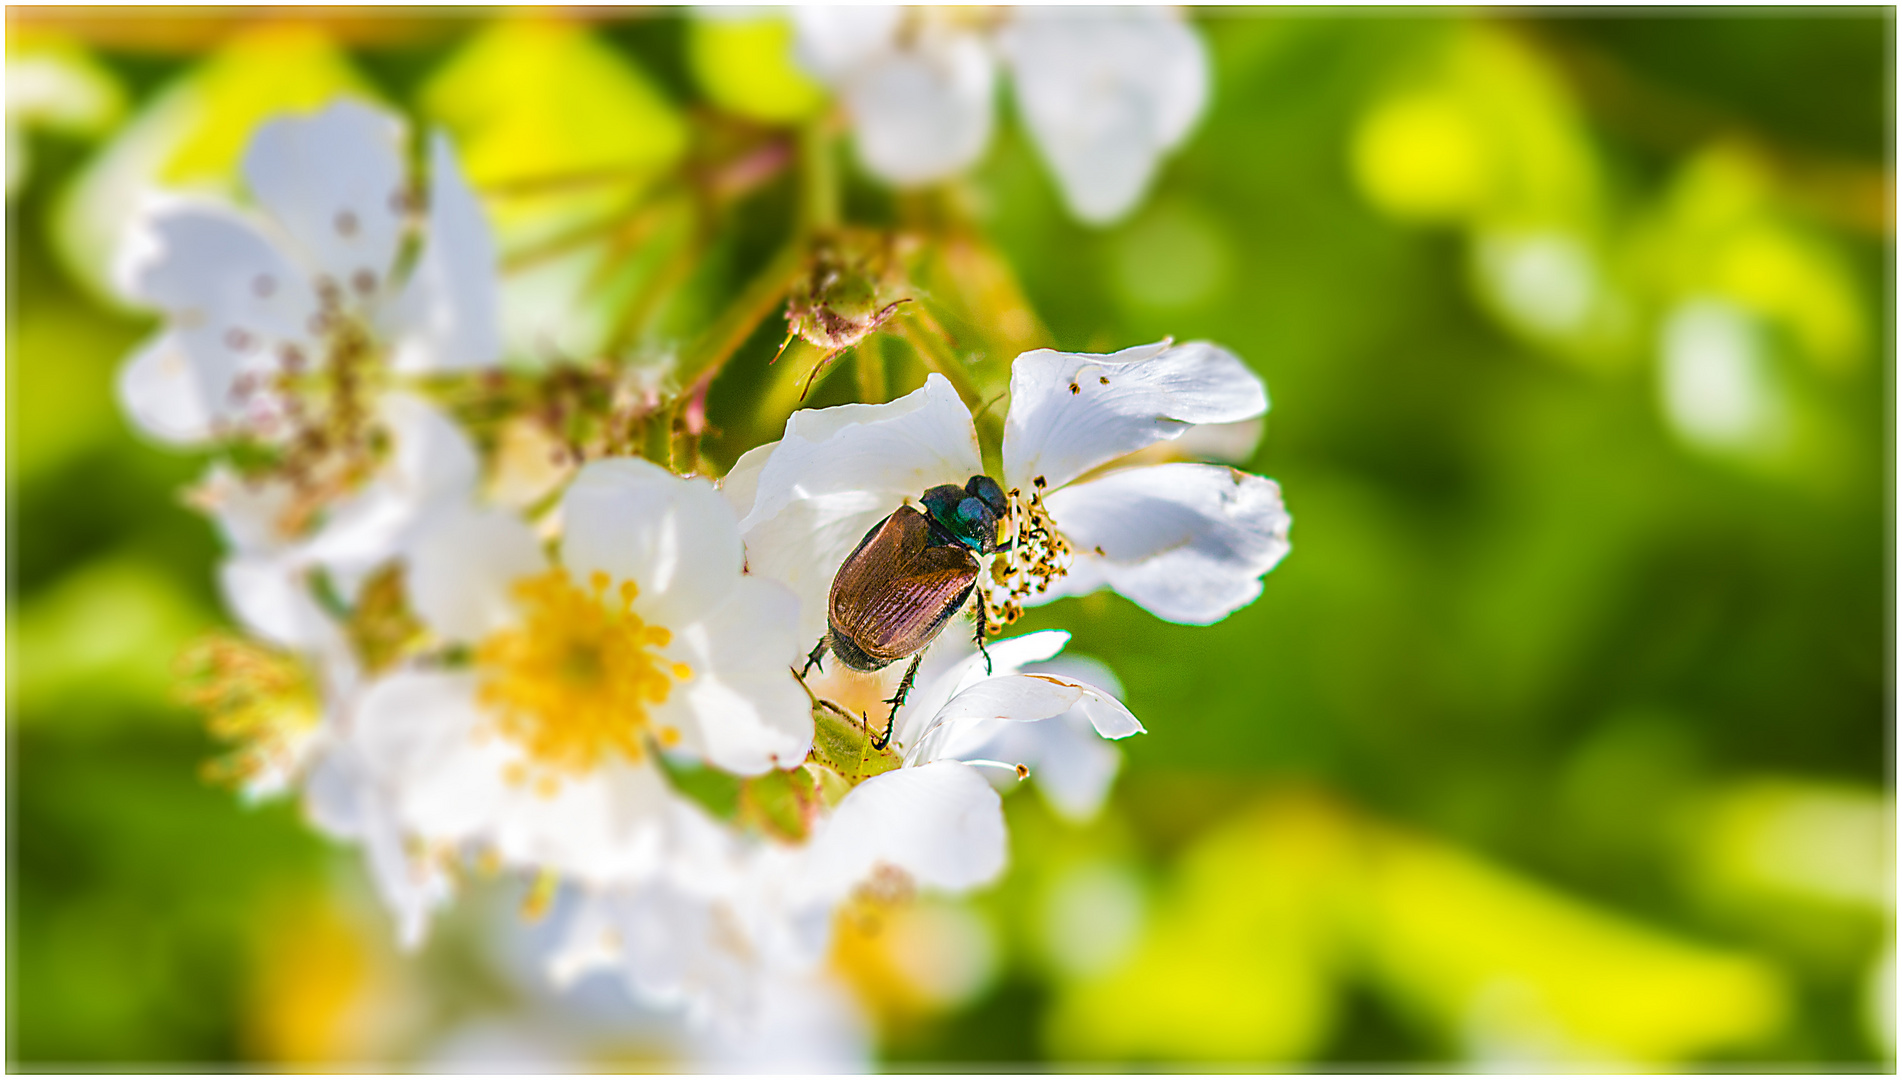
[(261, 699), (1039, 555), (573, 682)]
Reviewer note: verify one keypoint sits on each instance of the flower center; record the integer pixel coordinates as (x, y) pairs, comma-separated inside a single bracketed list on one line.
[(573, 683), (1038, 555)]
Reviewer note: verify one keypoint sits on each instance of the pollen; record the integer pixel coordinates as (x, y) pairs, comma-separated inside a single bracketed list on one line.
[(1037, 557), (574, 682)]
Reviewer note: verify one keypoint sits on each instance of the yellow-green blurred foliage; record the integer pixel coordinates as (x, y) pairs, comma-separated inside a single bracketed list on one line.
[(1562, 739)]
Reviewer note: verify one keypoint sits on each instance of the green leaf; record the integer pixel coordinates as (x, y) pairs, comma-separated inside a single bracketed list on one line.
[(745, 64)]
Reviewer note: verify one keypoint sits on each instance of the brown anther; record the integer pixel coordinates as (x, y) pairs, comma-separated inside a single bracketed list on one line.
[(346, 223), (236, 339), (264, 285), (1104, 379), (363, 281), (1075, 389), (399, 201), (1023, 771), (319, 323), (291, 357)]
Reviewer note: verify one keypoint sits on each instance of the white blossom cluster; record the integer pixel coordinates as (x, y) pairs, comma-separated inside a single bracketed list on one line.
[(1104, 92), (462, 683)]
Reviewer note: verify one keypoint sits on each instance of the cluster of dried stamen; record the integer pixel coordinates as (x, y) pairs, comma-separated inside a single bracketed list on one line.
[(260, 699), (312, 416), (1038, 556)]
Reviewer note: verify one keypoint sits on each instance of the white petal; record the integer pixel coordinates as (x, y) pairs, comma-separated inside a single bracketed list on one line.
[(1069, 762), (970, 716), (1122, 402), (838, 472), (1188, 542), (234, 302), (953, 664), (162, 391), (1073, 768), (342, 799), (1105, 92), (432, 458), (452, 299), (740, 485), (431, 463), (743, 708), (409, 724), (924, 113), (334, 182), (940, 823), (272, 600), (589, 942), (605, 827), (462, 567), (248, 513), (425, 736), (1012, 697), (803, 545), (901, 447), (676, 539), (832, 42)]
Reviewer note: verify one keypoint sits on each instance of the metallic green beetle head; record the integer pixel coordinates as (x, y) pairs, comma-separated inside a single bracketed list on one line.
[(969, 513)]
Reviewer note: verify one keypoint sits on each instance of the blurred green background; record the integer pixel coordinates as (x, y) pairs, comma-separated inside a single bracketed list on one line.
[(1565, 734)]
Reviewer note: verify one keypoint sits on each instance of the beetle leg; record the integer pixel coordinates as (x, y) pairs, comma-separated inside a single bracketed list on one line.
[(897, 702), (812, 658)]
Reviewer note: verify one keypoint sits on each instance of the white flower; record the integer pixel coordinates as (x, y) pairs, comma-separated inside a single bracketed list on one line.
[(1069, 755), (284, 325), (1189, 542), (1104, 92), (298, 712), (647, 637), (732, 922), (728, 921), (289, 327)]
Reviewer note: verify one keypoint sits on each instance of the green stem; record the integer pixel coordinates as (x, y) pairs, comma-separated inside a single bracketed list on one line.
[(819, 169), (742, 316), (939, 357), (868, 363), (657, 438)]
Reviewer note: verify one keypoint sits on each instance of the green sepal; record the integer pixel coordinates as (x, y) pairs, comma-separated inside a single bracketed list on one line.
[(845, 747), (778, 803), (716, 792)]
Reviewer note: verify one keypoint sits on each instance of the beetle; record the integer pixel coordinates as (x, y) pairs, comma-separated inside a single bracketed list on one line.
[(910, 573)]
